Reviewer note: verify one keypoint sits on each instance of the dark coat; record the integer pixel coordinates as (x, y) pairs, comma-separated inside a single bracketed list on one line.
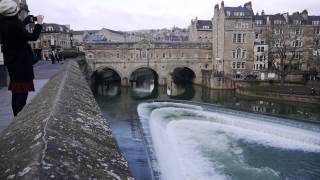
[(16, 48)]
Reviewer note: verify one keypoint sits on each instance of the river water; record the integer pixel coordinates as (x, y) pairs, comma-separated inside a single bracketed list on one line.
[(204, 141)]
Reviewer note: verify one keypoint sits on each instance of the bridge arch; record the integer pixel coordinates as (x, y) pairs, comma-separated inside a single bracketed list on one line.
[(183, 75), (144, 68), (103, 79)]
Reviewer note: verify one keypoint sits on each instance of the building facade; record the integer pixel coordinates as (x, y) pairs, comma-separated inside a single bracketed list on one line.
[(248, 44), (200, 30), (53, 36)]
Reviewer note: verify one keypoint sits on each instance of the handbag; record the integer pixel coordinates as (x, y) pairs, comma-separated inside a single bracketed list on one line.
[(33, 59)]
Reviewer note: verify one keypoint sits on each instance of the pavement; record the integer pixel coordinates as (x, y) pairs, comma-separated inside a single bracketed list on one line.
[(43, 70)]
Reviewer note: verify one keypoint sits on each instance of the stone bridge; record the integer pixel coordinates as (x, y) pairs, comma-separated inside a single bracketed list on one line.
[(160, 57)]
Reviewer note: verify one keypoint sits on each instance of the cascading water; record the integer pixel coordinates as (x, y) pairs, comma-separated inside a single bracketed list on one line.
[(199, 142)]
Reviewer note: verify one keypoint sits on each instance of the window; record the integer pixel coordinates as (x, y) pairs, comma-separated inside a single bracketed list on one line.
[(164, 55), (316, 31), (234, 38), (242, 65), (243, 54), (228, 13), (315, 22), (257, 35), (234, 65), (238, 53), (297, 31), (238, 65), (238, 38), (259, 49), (278, 43), (278, 22), (259, 22), (262, 49)]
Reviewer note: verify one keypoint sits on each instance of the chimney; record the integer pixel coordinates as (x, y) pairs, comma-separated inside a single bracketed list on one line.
[(248, 5), (216, 10), (222, 4), (262, 13), (305, 14)]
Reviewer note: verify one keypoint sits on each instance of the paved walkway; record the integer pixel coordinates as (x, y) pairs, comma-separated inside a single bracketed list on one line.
[(43, 72)]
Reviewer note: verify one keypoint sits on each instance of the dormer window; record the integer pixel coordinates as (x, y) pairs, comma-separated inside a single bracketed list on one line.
[(278, 22), (238, 13), (315, 22), (61, 29), (228, 13)]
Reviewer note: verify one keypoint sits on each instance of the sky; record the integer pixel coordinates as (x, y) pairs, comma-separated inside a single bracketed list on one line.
[(126, 15)]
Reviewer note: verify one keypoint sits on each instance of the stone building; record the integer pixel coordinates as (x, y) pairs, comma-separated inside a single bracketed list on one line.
[(200, 31), (247, 44), (233, 40), (53, 36)]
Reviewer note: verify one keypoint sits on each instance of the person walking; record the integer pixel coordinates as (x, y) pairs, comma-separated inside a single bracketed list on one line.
[(18, 55)]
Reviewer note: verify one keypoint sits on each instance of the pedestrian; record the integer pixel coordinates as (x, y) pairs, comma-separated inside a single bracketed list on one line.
[(16, 51), (57, 56), (53, 57)]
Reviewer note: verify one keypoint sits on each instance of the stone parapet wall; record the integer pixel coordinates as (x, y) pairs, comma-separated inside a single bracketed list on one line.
[(61, 134)]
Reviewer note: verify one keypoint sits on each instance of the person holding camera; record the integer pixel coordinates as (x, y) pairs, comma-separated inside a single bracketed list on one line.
[(17, 53)]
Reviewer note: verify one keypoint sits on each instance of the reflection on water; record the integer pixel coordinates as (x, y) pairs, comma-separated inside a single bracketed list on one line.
[(121, 113)]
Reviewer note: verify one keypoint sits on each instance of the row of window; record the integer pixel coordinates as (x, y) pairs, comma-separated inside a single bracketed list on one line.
[(261, 58), (239, 13), (281, 22), (260, 49), (259, 66), (152, 55), (239, 38), (238, 65), (239, 54)]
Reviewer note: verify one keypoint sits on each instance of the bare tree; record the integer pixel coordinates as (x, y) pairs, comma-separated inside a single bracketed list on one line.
[(285, 50)]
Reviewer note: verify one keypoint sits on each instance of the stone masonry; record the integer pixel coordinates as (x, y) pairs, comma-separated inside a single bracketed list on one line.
[(61, 134)]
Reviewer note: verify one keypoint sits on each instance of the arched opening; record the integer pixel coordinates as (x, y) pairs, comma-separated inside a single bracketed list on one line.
[(143, 82), (181, 85), (106, 82), (183, 76)]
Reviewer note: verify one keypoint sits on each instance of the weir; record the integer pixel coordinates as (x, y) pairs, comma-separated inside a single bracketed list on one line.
[(199, 141)]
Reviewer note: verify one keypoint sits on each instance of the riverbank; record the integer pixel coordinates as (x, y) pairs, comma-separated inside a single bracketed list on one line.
[(287, 95)]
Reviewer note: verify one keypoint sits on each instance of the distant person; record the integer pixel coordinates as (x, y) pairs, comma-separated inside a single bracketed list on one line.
[(53, 57), (60, 57), (16, 51)]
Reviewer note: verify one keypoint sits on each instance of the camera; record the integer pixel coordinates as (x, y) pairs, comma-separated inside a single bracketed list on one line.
[(33, 19)]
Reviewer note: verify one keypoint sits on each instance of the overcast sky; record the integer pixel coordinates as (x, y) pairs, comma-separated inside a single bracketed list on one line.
[(149, 14)]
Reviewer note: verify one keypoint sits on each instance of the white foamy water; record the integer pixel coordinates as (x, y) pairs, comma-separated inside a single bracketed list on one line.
[(190, 143)]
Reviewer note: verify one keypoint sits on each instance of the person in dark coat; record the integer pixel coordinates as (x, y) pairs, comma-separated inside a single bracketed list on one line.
[(16, 51)]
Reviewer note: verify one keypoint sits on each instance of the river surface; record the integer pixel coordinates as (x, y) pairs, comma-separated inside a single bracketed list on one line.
[(233, 155)]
